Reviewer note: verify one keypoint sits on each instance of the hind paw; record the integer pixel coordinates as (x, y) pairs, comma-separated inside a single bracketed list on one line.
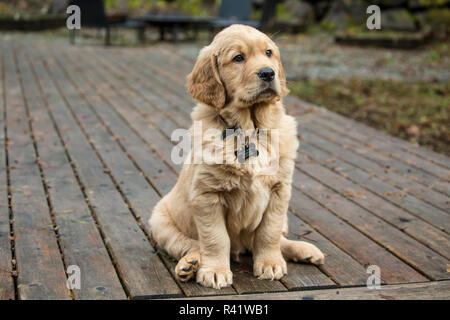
[(187, 266)]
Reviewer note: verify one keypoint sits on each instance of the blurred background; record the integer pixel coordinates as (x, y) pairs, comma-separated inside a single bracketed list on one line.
[(395, 79)]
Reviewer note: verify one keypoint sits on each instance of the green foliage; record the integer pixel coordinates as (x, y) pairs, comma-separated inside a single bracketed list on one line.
[(439, 19), (282, 13), (432, 2), (328, 25)]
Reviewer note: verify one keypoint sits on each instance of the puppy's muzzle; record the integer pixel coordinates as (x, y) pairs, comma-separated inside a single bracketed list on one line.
[(266, 74)]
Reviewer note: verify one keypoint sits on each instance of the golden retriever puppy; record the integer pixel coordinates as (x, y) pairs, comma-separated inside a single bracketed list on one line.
[(220, 210)]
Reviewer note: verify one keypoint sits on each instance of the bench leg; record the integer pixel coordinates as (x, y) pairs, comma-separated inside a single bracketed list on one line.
[(107, 37), (212, 33), (161, 33), (195, 32), (141, 35), (175, 30)]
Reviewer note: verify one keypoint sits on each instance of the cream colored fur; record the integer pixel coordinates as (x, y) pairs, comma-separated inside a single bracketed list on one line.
[(220, 210)]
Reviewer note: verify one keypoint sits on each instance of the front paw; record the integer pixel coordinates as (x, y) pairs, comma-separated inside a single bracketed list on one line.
[(270, 266), (216, 277)]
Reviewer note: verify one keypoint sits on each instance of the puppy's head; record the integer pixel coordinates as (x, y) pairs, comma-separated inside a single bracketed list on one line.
[(241, 66)]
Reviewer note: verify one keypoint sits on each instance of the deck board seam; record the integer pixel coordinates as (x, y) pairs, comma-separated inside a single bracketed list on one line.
[(14, 267)]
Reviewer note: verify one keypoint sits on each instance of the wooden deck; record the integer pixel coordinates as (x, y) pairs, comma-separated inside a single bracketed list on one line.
[(85, 155)]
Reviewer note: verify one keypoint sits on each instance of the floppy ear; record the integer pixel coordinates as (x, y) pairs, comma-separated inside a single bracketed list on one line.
[(282, 76), (204, 83)]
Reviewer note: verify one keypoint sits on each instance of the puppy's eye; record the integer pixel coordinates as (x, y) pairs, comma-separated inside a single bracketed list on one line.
[(269, 53), (239, 58)]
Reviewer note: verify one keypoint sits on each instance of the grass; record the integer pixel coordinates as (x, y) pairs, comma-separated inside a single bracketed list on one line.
[(417, 112)]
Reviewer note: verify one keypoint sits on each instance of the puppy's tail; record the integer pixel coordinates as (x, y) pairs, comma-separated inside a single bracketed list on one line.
[(165, 232)]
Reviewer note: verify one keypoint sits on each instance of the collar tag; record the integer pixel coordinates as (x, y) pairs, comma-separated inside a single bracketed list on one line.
[(246, 152)]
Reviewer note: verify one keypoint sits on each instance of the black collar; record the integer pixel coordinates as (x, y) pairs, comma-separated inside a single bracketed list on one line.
[(230, 129)]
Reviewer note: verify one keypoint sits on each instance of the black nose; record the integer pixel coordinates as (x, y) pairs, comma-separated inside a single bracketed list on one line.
[(266, 74)]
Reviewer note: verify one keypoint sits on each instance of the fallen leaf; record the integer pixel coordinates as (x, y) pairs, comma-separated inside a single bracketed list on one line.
[(413, 130), (353, 194), (79, 221)]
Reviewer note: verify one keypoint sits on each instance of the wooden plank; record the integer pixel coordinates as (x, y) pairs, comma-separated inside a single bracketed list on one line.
[(357, 188), (349, 239), (338, 265), (393, 165), (326, 141), (439, 290), (141, 270), (409, 250), (80, 240), (41, 270), (6, 268), (245, 282)]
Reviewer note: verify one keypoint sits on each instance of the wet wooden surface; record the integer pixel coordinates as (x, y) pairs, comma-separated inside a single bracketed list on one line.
[(85, 155)]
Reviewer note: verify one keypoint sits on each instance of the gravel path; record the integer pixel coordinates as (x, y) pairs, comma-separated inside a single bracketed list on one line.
[(320, 58)]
